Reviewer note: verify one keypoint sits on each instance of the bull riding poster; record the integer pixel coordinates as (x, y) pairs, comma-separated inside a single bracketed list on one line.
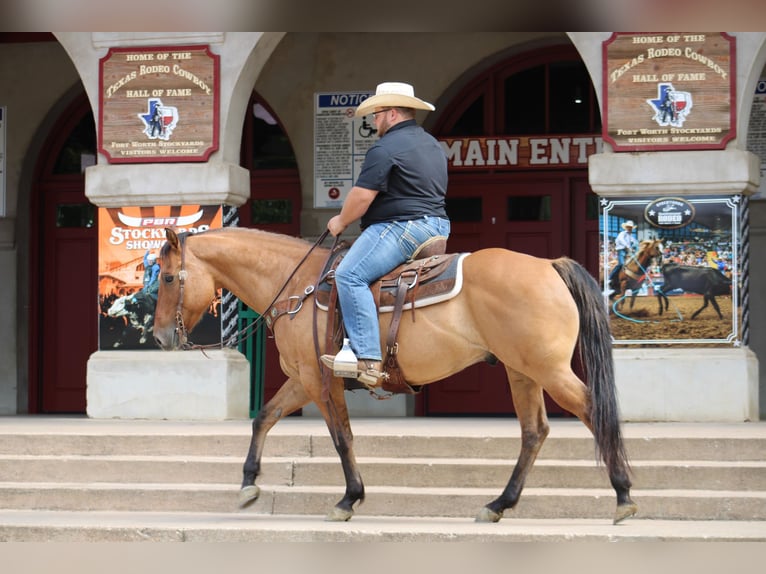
[(129, 244), (669, 268)]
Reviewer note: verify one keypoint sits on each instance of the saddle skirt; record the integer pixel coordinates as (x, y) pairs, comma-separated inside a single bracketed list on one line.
[(430, 281)]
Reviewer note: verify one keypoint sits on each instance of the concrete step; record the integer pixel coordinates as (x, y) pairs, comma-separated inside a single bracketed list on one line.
[(277, 444), (540, 503), (114, 526), (377, 471), (423, 477), (496, 438)]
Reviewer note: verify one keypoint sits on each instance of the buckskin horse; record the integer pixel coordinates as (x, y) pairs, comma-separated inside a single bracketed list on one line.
[(525, 312), (633, 273)]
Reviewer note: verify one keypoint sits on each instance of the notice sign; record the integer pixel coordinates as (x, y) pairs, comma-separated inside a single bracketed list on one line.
[(340, 144), (669, 91), (158, 104), (756, 133)]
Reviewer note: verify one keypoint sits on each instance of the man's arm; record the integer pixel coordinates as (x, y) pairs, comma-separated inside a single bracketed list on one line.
[(355, 206)]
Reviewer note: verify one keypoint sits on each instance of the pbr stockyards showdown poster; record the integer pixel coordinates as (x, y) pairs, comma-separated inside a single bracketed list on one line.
[(130, 239), (679, 281)]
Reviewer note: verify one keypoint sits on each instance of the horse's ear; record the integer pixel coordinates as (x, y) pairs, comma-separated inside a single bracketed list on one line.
[(172, 238)]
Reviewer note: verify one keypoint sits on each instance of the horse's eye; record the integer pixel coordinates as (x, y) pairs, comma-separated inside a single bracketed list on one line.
[(168, 278)]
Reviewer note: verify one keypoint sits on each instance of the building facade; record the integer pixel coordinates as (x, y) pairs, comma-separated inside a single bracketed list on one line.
[(57, 177)]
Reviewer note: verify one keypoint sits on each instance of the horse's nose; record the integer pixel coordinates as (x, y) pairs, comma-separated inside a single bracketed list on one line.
[(164, 343)]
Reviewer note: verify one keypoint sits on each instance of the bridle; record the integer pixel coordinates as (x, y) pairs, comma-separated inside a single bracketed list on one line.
[(247, 331)]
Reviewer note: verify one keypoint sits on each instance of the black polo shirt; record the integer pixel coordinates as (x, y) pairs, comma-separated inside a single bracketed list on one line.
[(408, 169)]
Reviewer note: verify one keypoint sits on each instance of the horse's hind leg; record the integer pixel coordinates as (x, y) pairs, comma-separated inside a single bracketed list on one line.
[(529, 404), (571, 394), (288, 399)]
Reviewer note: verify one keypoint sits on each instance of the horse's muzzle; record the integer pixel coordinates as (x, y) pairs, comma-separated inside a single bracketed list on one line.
[(167, 339)]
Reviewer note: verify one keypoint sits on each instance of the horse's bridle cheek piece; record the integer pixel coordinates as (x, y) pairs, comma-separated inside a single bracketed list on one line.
[(180, 330)]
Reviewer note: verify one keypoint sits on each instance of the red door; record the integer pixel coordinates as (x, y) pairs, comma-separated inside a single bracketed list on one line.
[(543, 214), (69, 300), (64, 290)]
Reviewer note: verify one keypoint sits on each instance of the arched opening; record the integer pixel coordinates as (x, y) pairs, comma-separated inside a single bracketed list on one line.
[(63, 266), (274, 205), (519, 134)]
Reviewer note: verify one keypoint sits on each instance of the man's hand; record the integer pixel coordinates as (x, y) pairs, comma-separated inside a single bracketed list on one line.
[(336, 226)]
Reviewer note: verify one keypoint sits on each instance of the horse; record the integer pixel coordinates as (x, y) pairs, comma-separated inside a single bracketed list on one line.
[(705, 281), (138, 308), (633, 273), (526, 312)]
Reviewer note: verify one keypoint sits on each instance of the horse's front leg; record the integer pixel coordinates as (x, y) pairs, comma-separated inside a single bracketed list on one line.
[(335, 413), (290, 397)]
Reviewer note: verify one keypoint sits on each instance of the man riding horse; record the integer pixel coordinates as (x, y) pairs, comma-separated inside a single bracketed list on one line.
[(400, 198)]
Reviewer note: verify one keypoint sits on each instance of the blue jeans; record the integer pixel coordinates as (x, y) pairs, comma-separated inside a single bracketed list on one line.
[(380, 248)]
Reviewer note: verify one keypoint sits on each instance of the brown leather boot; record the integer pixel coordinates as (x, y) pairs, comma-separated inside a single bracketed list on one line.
[(371, 373)]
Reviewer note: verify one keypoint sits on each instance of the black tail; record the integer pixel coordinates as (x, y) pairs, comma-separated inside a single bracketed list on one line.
[(595, 343)]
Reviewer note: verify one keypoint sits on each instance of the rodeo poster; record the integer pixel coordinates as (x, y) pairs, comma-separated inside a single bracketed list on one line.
[(130, 239), (670, 270)]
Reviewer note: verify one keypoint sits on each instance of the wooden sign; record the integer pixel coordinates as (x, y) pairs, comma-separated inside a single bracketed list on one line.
[(158, 104), (669, 91)]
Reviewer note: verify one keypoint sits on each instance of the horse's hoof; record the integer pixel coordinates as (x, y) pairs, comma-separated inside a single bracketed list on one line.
[(339, 515), (488, 515), (248, 495), (625, 511)]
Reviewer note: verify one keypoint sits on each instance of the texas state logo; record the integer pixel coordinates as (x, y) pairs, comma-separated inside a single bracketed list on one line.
[(671, 106), (160, 120)]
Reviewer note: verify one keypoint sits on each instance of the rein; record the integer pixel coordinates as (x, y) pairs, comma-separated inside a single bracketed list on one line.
[(249, 329)]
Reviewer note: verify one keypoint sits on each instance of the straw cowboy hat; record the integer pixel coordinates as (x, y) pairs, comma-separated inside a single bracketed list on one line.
[(629, 223), (393, 95)]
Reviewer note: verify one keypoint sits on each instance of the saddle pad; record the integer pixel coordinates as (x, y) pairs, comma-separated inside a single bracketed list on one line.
[(433, 289)]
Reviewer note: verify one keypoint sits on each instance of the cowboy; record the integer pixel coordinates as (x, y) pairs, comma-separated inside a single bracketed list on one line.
[(400, 198), (151, 275), (625, 245)]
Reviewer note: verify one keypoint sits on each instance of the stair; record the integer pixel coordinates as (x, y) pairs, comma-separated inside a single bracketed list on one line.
[(75, 479)]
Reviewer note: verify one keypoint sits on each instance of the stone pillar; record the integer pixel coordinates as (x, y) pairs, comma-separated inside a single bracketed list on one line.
[(682, 384), (177, 385)]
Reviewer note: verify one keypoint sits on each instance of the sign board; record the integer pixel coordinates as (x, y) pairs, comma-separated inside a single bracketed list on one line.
[(340, 144), (699, 241), (2, 160), (127, 279), (669, 91), (544, 151), (158, 104)]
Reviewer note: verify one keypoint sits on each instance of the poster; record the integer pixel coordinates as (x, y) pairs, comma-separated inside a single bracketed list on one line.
[(340, 144), (129, 239), (680, 285)]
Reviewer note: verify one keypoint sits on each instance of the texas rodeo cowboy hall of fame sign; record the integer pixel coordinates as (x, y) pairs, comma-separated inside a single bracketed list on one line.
[(159, 104), (668, 91)]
